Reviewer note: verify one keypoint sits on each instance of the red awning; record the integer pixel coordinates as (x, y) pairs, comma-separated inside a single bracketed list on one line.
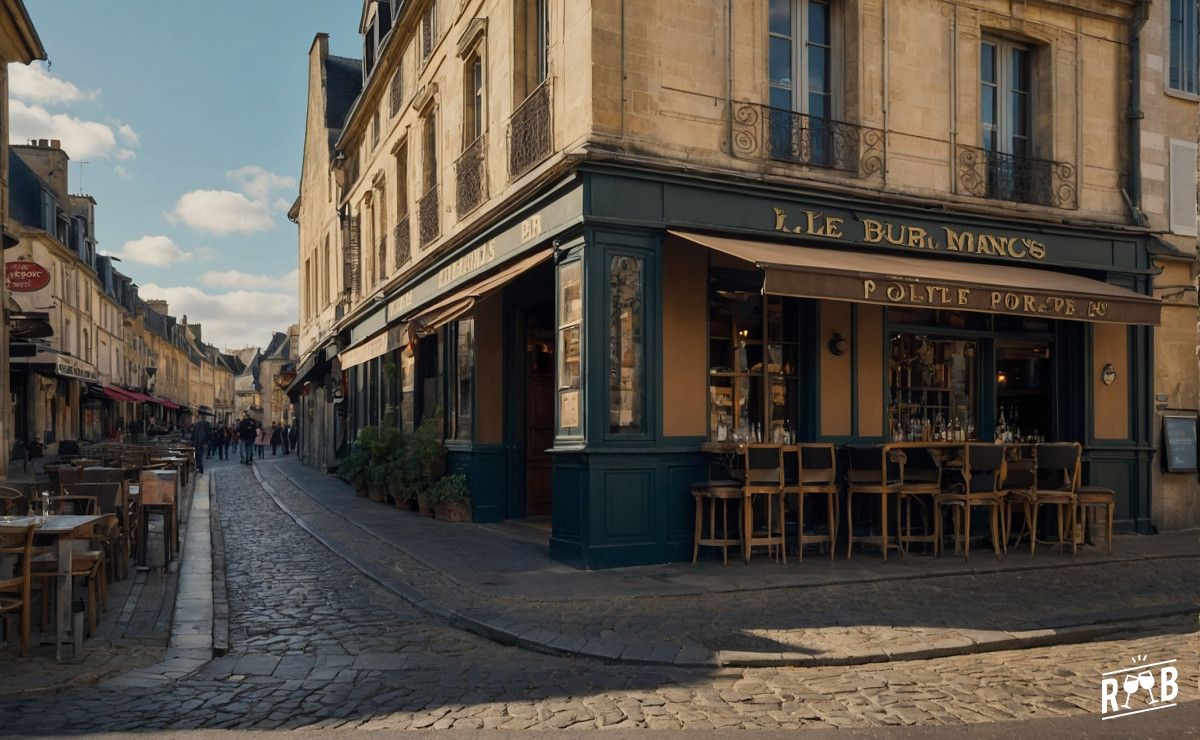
[(165, 403), (117, 394), (134, 395)]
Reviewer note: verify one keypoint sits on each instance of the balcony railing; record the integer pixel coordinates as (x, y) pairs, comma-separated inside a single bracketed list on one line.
[(427, 216), (762, 132), (470, 175), (402, 235), (990, 174), (531, 131)]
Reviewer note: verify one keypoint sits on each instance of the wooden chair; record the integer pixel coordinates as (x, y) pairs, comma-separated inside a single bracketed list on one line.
[(15, 589), (811, 470), (1018, 483), (111, 499), (870, 474), (12, 501), (716, 492), (86, 563), (983, 470), (63, 476), (1090, 498), (1057, 468), (920, 482), (763, 478), (73, 503)]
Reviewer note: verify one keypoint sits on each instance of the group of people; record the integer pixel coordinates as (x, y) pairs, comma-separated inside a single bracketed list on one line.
[(249, 435)]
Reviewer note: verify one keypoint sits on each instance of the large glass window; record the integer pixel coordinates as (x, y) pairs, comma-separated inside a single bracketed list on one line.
[(1185, 60), (463, 373), (933, 388), (570, 326), (627, 370), (753, 366), (801, 57)]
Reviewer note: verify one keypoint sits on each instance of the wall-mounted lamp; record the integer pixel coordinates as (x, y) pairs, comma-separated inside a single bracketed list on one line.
[(838, 344), (1108, 375)]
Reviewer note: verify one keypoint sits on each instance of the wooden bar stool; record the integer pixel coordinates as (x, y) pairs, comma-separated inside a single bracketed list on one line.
[(1090, 498), (764, 478), (983, 469), (811, 469), (723, 492), (871, 474), (920, 482)]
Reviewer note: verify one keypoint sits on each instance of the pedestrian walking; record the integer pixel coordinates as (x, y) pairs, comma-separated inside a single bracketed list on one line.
[(286, 434), (276, 438), (201, 432), (247, 430), (260, 440), (292, 436), (220, 440)]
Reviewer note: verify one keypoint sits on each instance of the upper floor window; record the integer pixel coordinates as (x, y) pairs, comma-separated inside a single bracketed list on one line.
[(473, 109), (375, 129), (801, 57), (396, 93), (1005, 110), (1185, 59), (531, 46), (428, 31), (429, 169)]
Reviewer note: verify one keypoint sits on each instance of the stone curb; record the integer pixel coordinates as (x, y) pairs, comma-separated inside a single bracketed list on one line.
[(508, 630), (220, 590)]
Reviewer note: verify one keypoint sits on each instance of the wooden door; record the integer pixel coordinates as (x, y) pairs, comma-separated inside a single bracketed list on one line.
[(539, 437)]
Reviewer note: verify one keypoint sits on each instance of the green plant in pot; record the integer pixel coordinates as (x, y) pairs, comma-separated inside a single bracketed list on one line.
[(451, 499), (353, 467), (424, 449)]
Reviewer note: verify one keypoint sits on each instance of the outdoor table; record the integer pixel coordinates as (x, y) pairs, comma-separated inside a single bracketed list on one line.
[(85, 462), (61, 527)]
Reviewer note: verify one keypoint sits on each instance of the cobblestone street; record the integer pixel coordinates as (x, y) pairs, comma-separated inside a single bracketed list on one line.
[(316, 644)]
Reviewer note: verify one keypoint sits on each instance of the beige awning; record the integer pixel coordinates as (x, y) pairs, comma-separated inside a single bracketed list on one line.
[(949, 284), (460, 303)]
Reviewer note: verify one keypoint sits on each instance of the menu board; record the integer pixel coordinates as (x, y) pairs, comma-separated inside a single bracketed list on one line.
[(1179, 444)]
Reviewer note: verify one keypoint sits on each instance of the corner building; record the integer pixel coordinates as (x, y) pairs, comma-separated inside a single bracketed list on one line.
[(592, 235)]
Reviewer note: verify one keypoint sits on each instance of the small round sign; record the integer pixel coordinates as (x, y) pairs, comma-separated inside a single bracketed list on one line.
[(25, 277)]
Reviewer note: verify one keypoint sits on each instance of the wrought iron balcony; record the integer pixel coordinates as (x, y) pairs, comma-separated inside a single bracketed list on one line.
[(402, 235), (427, 215), (990, 174), (762, 132), (531, 131), (470, 174)]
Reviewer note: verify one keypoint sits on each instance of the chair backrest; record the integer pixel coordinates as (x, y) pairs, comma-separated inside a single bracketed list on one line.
[(920, 466), (818, 463), (108, 496), (64, 476), (1058, 466), (985, 467), (764, 465), (10, 500), (103, 475), (68, 448), (73, 504), (18, 541), (867, 465)]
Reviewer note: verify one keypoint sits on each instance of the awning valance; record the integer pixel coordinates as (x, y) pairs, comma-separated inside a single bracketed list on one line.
[(117, 394), (809, 272), (458, 304)]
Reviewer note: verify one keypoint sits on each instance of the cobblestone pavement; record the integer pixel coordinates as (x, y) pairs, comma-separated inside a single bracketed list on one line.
[(316, 644), (821, 624)]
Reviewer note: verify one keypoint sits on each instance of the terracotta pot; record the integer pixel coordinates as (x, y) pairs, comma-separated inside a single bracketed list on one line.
[(378, 493), (458, 511), (424, 507)]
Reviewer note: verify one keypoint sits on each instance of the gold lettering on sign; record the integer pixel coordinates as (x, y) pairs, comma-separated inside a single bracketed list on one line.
[(995, 301), (531, 228), (468, 263)]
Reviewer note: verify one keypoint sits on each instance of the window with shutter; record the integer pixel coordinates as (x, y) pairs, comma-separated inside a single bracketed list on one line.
[(397, 90), (1183, 187)]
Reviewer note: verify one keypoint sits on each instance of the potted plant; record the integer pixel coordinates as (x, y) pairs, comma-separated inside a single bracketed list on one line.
[(353, 468), (451, 499), (422, 453)]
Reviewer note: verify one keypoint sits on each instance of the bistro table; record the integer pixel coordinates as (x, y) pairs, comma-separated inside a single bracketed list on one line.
[(61, 527)]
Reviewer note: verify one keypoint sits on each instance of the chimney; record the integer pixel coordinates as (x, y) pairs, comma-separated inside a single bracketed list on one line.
[(158, 305), (56, 143), (43, 143)]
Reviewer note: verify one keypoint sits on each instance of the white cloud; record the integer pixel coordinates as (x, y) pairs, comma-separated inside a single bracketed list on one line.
[(258, 183), (123, 172), (34, 84), (128, 135), (236, 319), (247, 210), (81, 139), (156, 251), (221, 212), (249, 281)]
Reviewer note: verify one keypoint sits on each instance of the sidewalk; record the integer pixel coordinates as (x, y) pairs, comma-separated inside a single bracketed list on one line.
[(813, 613), (144, 638)]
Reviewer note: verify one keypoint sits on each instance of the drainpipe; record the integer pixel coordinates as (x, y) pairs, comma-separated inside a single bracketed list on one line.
[(1133, 196)]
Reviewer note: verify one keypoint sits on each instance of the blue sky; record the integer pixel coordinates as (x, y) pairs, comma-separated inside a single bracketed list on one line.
[(190, 117)]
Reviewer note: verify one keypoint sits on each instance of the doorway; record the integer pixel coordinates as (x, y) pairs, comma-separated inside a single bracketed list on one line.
[(1024, 389), (538, 411)]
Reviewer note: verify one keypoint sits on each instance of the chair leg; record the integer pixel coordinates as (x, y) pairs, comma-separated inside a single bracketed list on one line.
[(1061, 515), (966, 515), (883, 525), (831, 517), (699, 525), (995, 517), (25, 624), (849, 524), (1111, 511), (1031, 518), (799, 528), (747, 531), (724, 529)]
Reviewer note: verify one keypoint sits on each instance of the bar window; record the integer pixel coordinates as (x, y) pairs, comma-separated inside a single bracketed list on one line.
[(1185, 59), (570, 327), (626, 384), (463, 369)]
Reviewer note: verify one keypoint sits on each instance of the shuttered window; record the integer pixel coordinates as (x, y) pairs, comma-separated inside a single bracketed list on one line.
[(1183, 187)]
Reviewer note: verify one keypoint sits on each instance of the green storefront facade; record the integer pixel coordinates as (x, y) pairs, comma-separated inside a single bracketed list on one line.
[(574, 351)]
